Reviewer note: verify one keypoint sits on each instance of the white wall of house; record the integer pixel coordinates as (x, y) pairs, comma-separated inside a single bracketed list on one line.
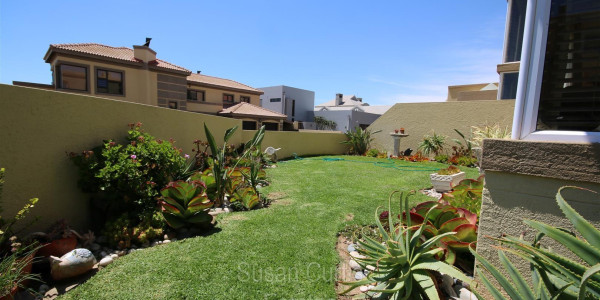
[(303, 102), (347, 120)]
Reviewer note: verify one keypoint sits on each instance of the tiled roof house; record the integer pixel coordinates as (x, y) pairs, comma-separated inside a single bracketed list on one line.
[(137, 75)]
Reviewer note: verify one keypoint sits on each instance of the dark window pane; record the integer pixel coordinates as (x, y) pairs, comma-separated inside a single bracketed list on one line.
[(275, 100), (516, 26), (173, 104), (73, 77), (192, 95), (570, 91), (109, 82), (249, 125), (271, 126), (509, 85)]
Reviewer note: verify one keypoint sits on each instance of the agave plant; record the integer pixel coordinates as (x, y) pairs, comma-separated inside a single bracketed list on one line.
[(432, 144), (402, 266), (247, 197), (443, 218), (185, 203), (359, 140), (553, 275)]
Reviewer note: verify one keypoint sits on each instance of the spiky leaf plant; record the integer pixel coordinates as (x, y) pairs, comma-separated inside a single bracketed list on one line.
[(554, 275), (403, 266)]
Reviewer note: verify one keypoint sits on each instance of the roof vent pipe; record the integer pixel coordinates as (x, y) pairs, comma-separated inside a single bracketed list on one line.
[(338, 99)]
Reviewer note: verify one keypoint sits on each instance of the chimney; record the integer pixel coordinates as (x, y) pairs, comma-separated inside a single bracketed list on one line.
[(144, 53), (198, 72), (338, 99), (359, 99)]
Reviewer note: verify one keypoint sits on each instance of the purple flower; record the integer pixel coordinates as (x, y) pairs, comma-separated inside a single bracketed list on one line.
[(133, 156), (186, 156)]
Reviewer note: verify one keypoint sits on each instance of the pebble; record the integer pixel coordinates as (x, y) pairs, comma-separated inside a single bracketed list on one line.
[(359, 275), (44, 288), (351, 248), (95, 247), (107, 260), (364, 288), (166, 241), (121, 253), (354, 265), (227, 209), (155, 243), (114, 256)]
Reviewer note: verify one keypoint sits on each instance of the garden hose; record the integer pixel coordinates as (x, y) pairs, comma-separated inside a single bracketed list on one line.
[(393, 164)]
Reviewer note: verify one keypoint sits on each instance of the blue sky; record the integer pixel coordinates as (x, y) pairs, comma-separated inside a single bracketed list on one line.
[(383, 51)]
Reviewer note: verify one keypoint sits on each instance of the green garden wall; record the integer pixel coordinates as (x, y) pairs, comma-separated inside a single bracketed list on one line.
[(419, 119), (38, 127)]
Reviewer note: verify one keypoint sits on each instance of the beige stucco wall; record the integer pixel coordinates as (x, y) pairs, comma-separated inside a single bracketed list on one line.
[(214, 98), (140, 84), (522, 179), (38, 127), (455, 90), (418, 119), (302, 143)]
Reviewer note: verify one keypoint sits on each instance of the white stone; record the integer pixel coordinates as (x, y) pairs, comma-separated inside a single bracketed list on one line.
[(359, 275), (464, 293), (166, 241), (114, 256), (364, 288), (107, 260), (354, 265)]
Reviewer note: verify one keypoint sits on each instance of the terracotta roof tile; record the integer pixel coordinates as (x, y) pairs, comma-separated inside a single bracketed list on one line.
[(247, 109), (118, 53), (216, 81)]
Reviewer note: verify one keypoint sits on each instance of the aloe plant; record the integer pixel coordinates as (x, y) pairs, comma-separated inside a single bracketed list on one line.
[(553, 275), (402, 266), (359, 140), (433, 144), (185, 203), (467, 194), (218, 154)]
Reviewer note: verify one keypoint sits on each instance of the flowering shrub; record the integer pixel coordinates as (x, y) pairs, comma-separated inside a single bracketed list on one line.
[(128, 177)]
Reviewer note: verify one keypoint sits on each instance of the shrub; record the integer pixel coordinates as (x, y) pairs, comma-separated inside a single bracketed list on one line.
[(359, 140), (432, 144), (373, 152), (402, 265), (127, 178), (489, 132), (443, 158), (449, 170), (324, 124)]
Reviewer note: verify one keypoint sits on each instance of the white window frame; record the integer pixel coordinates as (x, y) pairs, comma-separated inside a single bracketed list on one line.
[(530, 81)]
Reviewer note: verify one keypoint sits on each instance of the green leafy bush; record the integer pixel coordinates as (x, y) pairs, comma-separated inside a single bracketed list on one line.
[(402, 266), (359, 140), (443, 158), (462, 154), (553, 275), (121, 232), (127, 177), (433, 143), (372, 152)]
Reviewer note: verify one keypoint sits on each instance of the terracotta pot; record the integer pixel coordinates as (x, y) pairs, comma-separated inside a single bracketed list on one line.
[(402, 130), (58, 247)]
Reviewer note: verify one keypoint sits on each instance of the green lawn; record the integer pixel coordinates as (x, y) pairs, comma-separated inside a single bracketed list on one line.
[(283, 251)]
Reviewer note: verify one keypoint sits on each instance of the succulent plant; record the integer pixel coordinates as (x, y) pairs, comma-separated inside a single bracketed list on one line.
[(553, 275), (467, 193), (402, 265), (443, 218), (247, 197), (185, 203)]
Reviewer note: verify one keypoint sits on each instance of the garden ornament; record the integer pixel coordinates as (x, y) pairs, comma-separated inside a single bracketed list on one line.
[(76, 262), (272, 152)]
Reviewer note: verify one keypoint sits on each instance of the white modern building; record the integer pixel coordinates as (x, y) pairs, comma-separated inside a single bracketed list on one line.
[(349, 112), (296, 103)]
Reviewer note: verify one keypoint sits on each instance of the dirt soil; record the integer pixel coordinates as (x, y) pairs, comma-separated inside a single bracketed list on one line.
[(344, 272)]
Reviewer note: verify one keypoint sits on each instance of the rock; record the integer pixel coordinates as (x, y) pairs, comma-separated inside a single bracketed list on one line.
[(131, 251), (107, 260), (447, 283), (166, 241), (43, 288), (351, 248), (95, 247), (155, 243), (169, 236), (114, 256), (364, 288), (359, 275), (75, 262), (227, 209), (463, 293), (354, 265), (121, 253)]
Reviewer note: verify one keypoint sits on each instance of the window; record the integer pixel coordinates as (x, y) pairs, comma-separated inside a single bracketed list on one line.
[(514, 30), (275, 100), (227, 100), (270, 126), (193, 95), (173, 104), (249, 125), (72, 77), (508, 89), (109, 82), (245, 99), (558, 97)]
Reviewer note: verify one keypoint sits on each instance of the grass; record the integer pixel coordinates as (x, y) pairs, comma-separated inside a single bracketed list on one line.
[(284, 251)]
